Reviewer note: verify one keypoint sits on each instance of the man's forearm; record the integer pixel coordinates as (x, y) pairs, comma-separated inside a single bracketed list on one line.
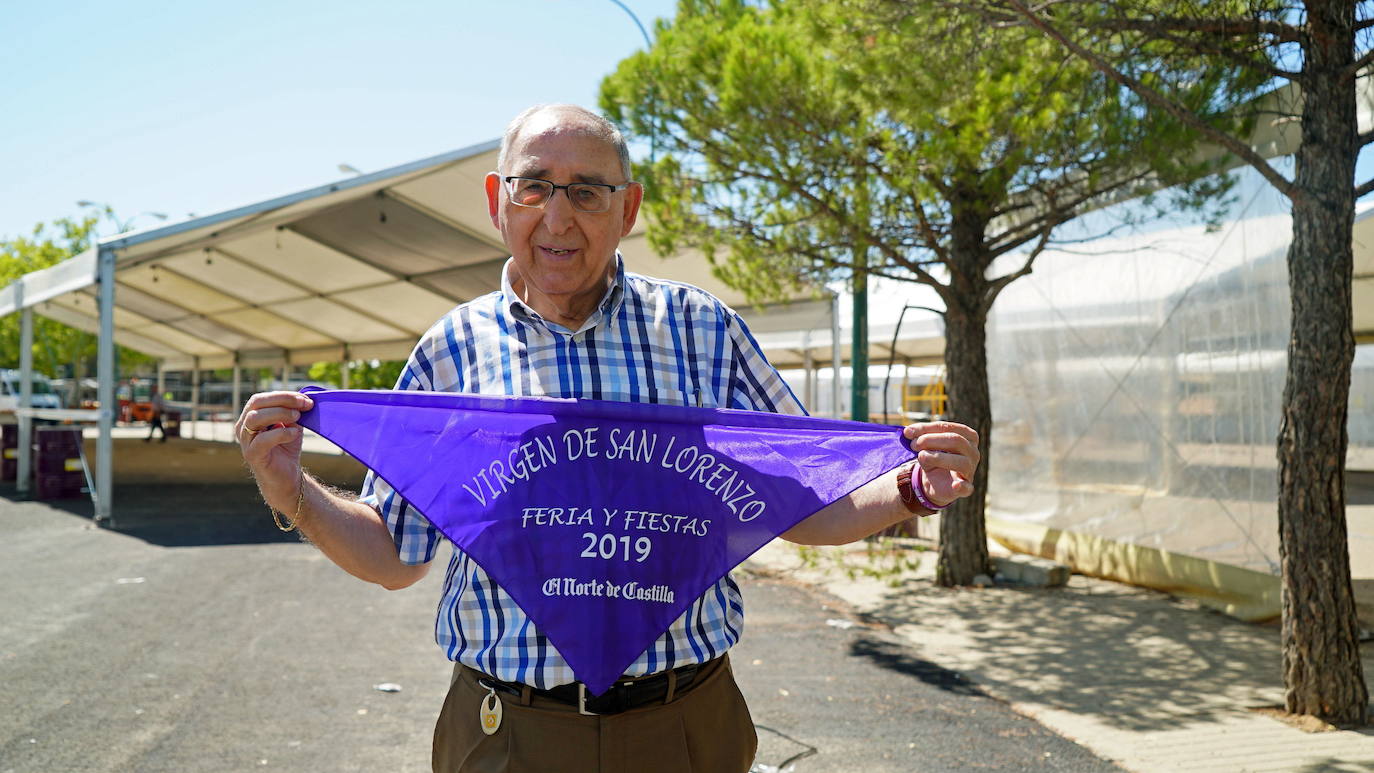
[(354, 536), (867, 510)]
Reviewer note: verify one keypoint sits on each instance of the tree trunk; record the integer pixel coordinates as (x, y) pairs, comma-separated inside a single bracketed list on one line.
[(1321, 657), (963, 534)]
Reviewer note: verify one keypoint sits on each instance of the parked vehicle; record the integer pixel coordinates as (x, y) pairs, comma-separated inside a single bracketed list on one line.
[(43, 395)]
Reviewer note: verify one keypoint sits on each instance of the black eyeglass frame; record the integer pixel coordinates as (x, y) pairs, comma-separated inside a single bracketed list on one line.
[(510, 192)]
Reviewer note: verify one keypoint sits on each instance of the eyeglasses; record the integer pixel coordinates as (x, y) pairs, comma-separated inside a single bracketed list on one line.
[(585, 197)]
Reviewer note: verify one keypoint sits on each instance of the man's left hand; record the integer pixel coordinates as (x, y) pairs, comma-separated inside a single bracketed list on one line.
[(948, 455)]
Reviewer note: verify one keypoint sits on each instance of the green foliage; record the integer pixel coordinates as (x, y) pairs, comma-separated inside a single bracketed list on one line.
[(57, 348), (794, 136), (363, 374)]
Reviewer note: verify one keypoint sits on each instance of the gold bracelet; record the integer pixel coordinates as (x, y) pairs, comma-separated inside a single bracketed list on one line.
[(290, 523)]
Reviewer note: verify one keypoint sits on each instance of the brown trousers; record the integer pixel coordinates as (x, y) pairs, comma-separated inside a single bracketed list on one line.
[(706, 729)]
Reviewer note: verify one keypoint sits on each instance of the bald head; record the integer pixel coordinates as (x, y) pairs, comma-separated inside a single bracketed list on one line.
[(562, 118)]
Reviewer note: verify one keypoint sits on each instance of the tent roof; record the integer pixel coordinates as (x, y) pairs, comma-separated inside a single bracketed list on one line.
[(355, 269)]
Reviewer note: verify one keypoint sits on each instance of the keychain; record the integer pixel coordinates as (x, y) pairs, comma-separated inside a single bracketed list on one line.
[(490, 712)]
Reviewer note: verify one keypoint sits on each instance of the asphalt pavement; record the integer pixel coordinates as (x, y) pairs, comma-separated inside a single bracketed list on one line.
[(195, 637)]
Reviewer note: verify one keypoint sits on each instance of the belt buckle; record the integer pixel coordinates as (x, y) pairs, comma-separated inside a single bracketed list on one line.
[(582, 701)]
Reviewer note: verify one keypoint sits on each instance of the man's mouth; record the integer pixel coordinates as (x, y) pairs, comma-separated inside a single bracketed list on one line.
[(556, 251)]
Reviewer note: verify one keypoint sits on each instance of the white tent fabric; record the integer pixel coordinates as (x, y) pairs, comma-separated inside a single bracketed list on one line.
[(356, 269)]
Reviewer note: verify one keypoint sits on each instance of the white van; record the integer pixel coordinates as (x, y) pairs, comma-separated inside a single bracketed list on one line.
[(43, 394)]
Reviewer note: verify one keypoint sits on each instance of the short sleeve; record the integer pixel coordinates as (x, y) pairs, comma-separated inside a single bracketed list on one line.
[(755, 385)]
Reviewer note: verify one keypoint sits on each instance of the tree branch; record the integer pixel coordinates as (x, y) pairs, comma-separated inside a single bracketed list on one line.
[(1243, 151), (1359, 64), (1219, 28), (996, 286), (1364, 188)]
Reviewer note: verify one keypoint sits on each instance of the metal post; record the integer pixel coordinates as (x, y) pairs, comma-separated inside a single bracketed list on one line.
[(835, 381), (24, 471), (343, 374), (195, 395), (161, 380), (105, 366), (237, 391), (858, 356), (809, 372), (285, 374)]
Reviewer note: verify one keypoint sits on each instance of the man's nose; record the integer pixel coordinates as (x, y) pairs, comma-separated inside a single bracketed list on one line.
[(558, 212)]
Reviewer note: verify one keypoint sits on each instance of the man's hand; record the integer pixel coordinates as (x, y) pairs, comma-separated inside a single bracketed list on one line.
[(948, 455), (271, 443)]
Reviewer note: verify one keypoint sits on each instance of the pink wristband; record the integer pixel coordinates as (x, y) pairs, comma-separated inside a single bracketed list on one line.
[(919, 489)]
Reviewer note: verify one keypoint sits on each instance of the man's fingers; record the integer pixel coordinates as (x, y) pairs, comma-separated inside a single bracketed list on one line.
[(292, 400), (915, 431), (949, 442), (263, 418), (941, 460)]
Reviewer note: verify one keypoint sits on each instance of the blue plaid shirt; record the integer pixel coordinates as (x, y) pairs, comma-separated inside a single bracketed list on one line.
[(649, 341)]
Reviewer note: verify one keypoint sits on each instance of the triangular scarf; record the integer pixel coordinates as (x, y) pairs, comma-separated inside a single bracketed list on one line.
[(603, 520)]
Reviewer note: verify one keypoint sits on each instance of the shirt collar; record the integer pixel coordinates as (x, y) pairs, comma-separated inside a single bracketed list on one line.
[(612, 299)]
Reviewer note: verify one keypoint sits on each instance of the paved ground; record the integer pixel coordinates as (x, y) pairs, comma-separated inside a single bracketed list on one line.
[(1150, 682), (195, 637)]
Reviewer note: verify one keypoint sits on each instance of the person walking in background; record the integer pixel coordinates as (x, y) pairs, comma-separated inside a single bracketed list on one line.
[(155, 421)]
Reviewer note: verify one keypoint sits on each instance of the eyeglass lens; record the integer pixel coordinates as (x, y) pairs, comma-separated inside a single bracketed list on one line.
[(584, 196)]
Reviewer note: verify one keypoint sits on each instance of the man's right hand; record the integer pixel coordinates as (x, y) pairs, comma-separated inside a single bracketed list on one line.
[(270, 441)]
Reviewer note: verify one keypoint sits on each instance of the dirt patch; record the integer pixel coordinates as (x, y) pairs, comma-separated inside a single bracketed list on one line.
[(1304, 722)]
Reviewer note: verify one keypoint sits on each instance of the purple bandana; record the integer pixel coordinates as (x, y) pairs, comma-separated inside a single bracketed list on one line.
[(603, 520)]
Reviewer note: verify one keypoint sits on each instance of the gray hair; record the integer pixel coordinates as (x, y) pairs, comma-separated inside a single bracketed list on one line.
[(596, 125)]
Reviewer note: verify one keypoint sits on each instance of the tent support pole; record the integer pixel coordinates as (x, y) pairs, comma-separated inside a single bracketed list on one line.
[(237, 393), (195, 395), (105, 366), (24, 464), (836, 390)]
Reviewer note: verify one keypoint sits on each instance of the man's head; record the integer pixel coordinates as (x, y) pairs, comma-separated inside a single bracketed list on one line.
[(563, 254)]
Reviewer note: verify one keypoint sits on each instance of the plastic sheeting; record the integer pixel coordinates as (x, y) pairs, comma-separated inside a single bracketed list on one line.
[(1137, 381)]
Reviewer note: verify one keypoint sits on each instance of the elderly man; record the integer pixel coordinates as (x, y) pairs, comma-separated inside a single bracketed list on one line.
[(570, 321)]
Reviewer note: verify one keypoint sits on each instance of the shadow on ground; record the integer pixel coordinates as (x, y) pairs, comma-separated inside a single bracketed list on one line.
[(1125, 655), (179, 515), (187, 493)]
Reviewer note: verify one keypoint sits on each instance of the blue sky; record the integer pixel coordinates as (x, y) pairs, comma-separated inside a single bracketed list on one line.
[(180, 107)]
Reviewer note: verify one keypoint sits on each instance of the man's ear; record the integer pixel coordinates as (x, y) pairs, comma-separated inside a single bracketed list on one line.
[(493, 187), (634, 196)]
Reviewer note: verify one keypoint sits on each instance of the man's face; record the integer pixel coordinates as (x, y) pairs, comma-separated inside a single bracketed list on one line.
[(562, 255)]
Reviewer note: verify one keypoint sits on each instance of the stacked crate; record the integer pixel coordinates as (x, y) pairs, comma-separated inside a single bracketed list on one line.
[(9, 452), (57, 472)]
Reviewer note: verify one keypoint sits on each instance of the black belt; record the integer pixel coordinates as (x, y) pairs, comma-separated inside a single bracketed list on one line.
[(622, 696)]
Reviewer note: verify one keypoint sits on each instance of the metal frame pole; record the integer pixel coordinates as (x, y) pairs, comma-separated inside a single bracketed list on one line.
[(809, 371), (343, 373), (195, 395), (237, 390), (105, 366), (836, 391), (23, 472)]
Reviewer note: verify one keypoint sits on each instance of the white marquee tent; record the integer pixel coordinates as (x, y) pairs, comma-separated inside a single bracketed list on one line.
[(355, 269)]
